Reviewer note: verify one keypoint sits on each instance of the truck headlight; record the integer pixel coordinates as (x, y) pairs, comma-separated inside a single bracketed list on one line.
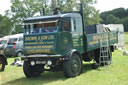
[(49, 62), (32, 63)]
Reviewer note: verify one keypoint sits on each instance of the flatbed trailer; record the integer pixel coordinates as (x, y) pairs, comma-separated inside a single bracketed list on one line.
[(93, 40)]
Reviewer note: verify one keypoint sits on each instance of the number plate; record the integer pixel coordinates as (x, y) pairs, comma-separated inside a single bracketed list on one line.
[(40, 62)]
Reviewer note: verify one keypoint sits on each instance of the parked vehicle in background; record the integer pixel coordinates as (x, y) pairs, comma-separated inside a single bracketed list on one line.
[(14, 46), (3, 41)]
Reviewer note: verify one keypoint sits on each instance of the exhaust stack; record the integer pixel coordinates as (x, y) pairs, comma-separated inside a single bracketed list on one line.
[(55, 3), (56, 8)]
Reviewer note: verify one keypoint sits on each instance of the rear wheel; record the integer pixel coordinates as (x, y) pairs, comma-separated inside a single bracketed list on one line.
[(32, 71), (2, 64), (73, 66)]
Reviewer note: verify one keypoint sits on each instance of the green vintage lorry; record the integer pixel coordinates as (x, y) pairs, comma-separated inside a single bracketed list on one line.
[(60, 43)]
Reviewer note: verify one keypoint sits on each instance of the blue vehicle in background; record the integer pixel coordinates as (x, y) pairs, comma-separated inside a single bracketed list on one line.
[(14, 46)]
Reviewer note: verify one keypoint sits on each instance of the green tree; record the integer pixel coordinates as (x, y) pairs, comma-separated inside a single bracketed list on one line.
[(119, 12), (103, 16), (111, 19), (22, 9), (125, 23), (116, 16), (5, 26), (91, 15)]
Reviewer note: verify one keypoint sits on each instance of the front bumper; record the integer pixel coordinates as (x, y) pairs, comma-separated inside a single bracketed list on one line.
[(40, 56), (44, 59)]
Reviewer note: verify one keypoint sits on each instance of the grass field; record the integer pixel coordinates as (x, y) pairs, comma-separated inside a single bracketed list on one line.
[(115, 74), (126, 37)]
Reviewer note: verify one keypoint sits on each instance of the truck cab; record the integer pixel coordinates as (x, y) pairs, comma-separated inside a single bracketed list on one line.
[(53, 35)]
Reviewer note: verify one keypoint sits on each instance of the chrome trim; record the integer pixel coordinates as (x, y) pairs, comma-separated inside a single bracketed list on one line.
[(39, 55)]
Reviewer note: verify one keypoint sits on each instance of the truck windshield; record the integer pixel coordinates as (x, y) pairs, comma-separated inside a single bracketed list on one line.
[(41, 27), (3, 41)]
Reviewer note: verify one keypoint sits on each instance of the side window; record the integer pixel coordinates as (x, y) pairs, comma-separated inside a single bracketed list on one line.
[(66, 24), (20, 39), (27, 29), (73, 25), (79, 25), (21, 44), (49, 27)]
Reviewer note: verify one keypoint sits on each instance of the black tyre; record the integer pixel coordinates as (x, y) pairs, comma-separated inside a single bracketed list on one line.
[(31, 71), (2, 64), (73, 66)]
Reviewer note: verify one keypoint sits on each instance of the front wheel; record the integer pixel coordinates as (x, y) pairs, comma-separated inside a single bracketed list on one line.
[(31, 71), (2, 64), (73, 66)]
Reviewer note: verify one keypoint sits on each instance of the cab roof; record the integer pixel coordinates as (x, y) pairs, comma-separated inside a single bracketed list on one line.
[(41, 18)]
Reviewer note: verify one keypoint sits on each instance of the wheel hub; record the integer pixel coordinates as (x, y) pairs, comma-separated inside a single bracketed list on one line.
[(75, 66)]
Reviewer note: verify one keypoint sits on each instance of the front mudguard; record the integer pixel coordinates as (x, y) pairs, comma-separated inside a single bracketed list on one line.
[(69, 54)]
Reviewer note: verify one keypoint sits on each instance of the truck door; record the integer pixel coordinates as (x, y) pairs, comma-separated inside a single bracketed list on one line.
[(71, 35), (77, 34), (65, 36)]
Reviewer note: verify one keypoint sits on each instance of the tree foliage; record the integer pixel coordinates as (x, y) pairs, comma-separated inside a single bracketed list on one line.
[(125, 23), (91, 15), (112, 19), (22, 9), (116, 16), (5, 26)]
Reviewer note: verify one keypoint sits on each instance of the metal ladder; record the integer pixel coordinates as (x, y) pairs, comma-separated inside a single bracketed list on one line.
[(104, 51)]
